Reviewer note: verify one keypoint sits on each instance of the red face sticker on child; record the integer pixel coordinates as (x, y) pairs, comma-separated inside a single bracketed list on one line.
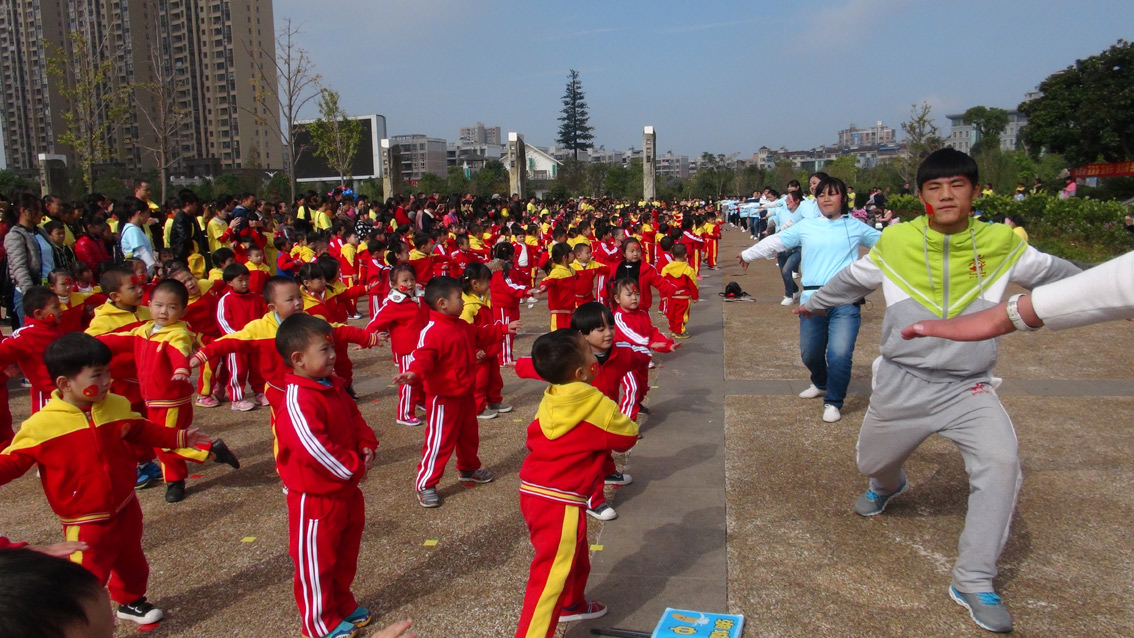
[(91, 391)]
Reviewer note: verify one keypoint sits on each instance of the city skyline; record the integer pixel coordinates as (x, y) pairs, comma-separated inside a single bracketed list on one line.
[(644, 66)]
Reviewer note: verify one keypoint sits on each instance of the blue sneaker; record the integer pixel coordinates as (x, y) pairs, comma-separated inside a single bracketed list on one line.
[(344, 630), (148, 474), (872, 503), (360, 617), (986, 609)]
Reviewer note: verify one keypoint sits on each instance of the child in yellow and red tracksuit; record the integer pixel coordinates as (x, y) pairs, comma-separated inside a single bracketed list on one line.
[(575, 430), (507, 290), (161, 349), (684, 280), (324, 449), (79, 441), (477, 311), (26, 345), (559, 284)]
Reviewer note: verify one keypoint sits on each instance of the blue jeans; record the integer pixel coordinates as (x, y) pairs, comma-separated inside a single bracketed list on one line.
[(789, 262), (826, 345), (18, 306)]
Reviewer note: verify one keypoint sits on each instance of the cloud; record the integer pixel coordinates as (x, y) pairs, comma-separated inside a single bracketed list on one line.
[(705, 27), (845, 24)]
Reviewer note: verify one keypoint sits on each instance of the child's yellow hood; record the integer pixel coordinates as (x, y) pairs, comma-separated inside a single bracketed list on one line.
[(565, 406)]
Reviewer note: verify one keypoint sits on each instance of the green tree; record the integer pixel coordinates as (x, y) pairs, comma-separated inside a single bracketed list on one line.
[(1080, 114), (430, 183), (97, 106), (9, 182), (989, 123), (334, 136), (596, 178), (278, 188), (455, 182), (573, 177), (575, 132), (491, 179), (922, 139), (845, 168)]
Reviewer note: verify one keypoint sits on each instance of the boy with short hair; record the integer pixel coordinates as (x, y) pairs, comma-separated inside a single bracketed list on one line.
[(684, 279), (79, 442), (324, 449), (939, 266), (569, 443), (258, 271), (445, 364), (161, 349), (586, 273), (26, 345), (236, 307)]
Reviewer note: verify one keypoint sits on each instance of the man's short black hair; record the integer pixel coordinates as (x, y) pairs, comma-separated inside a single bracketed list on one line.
[(296, 333), (556, 355), (69, 354), (271, 284), (234, 270), (440, 288), (173, 287), (186, 197), (113, 279), (36, 298), (43, 596), (948, 162), (590, 317)]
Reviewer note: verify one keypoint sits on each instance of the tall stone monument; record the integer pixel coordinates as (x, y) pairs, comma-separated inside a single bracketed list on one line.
[(517, 165), (391, 168), (53, 174), (649, 163)]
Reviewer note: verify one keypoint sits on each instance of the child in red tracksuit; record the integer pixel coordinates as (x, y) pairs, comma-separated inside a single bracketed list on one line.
[(161, 349), (615, 360), (477, 310), (80, 443), (445, 363), (421, 257), (507, 290), (694, 243), (258, 271), (644, 274), (200, 316), (236, 307), (26, 345), (684, 280), (559, 284), (403, 316), (377, 277), (633, 326), (324, 449), (586, 274), (569, 443)]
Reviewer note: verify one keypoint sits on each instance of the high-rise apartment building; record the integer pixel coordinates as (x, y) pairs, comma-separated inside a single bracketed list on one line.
[(212, 51), (420, 155), (480, 134)]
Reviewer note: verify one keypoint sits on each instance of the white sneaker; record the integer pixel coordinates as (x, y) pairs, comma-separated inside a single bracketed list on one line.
[(603, 512), (812, 392), (787, 301), (796, 296), (795, 275), (831, 413)]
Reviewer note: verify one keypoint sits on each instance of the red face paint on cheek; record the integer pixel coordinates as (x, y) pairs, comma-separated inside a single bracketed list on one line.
[(595, 368), (91, 391), (138, 280), (50, 318), (929, 209)]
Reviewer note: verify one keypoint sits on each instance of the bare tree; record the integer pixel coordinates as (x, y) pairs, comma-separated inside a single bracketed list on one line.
[(164, 115), (921, 140), (296, 84)]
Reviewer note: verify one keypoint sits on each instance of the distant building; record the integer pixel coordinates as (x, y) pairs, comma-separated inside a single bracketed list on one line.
[(420, 155), (480, 134), (875, 136), (815, 159), (542, 165), (471, 156), (963, 136)]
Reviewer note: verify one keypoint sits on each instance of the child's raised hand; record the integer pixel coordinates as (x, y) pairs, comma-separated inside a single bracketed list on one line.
[(405, 378), (179, 377), (514, 327), (396, 630), (194, 362), (194, 437)]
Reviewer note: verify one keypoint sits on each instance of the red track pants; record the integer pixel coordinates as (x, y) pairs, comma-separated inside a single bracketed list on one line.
[(451, 425), (409, 395), (677, 311), (489, 384), (324, 534), (173, 466), (560, 567), (114, 553), (506, 316)]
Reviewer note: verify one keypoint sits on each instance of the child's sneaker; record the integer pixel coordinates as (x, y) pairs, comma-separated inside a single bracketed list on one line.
[(262, 398), (603, 512), (360, 617), (140, 612), (243, 405), (618, 478), (174, 492), (500, 408), (208, 402), (487, 414), (350, 392), (986, 610), (584, 611), (412, 422), (148, 474), (221, 454), (428, 497), (477, 476), (344, 630)]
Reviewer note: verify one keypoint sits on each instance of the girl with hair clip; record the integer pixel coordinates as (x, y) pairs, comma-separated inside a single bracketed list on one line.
[(506, 295), (476, 284), (559, 284), (632, 267), (403, 315)]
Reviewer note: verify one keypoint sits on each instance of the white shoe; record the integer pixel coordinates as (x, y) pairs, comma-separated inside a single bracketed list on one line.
[(603, 512), (812, 392), (795, 275), (831, 413), (787, 301), (797, 295)]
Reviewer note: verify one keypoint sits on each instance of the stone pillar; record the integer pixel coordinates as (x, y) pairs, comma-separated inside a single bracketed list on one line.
[(53, 174), (649, 164), (517, 165), (391, 168)]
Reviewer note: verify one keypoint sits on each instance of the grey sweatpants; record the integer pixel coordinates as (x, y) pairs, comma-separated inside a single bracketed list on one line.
[(904, 411)]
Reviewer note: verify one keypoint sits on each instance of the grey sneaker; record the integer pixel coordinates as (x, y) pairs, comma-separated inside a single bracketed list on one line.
[(477, 476), (487, 414), (986, 609), (872, 503), (428, 497), (502, 408)]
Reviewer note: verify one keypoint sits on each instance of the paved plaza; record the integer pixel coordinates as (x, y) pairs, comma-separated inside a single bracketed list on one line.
[(741, 500)]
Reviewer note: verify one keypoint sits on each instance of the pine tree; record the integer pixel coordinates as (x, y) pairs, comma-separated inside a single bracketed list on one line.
[(575, 133)]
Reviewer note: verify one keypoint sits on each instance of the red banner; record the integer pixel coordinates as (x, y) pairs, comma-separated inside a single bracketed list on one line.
[(1116, 169)]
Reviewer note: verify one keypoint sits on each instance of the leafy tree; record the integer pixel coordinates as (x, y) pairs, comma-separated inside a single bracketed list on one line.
[(575, 132), (596, 178), (334, 135), (430, 183), (844, 167), (989, 123), (573, 176), (491, 179), (278, 188), (922, 139), (455, 182), (1081, 114), (9, 182)]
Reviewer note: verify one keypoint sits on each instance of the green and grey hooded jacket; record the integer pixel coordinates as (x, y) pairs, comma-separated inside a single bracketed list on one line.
[(925, 274)]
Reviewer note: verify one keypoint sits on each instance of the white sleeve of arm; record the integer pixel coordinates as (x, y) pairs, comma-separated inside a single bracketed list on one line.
[(766, 249), (1103, 293)]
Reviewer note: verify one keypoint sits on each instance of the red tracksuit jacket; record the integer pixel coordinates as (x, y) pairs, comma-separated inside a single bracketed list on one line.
[(445, 357), (505, 293), (458, 261), (560, 287), (159, 355), (648, 277), (585, 278), (403, 316), (636, 328), (201, 313), (235, 310), (321, 437), (26, 347), (622, 359)]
